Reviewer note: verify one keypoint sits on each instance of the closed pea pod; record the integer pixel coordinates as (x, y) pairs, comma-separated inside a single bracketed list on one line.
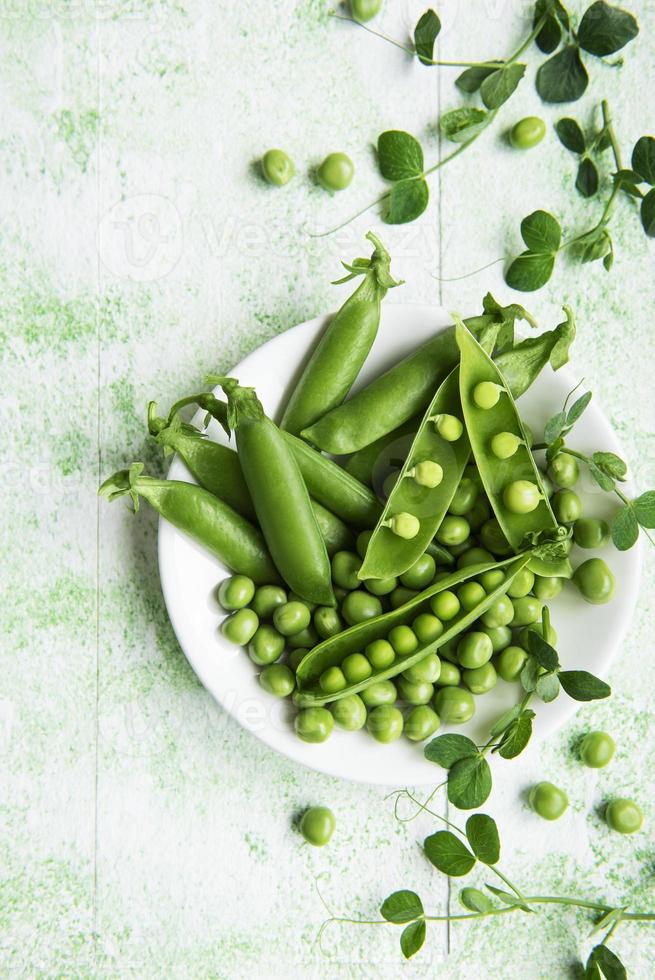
[(344, 345), (205, 518), (514, 488), (280, 496)]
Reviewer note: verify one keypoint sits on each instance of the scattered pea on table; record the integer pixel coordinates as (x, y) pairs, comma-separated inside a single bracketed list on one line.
[(277, 167), (548, 800), (597, 749), (336, 172), (624, 816), (527, 133), (317, 825)]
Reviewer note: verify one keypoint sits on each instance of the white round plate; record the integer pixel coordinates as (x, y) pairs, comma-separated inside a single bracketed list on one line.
[(589, 636)]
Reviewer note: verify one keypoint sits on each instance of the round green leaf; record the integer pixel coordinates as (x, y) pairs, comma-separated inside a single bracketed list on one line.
[(570, 135), (643, 158), (529, 271), (400, 155), (563, 78), (482, 834), (541, 232), (448, 854), (605, 29), (517, 736), (644, 508), (586, 182), (412, 938), (402, 906), (469, 783), (425, 34), (460, 125), (470, 80), (474, 900), (499, 86), (446, 750), (583, 686), (648, 213), (407, 200), (624, 528), (547, 687)]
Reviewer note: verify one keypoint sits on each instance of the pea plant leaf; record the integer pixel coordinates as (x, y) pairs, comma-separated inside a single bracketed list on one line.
[(624, 528), (644, 508), (586, 181), (647, 213), (446, 750), (529, 271), (604, 481), (517, 736), (577, 408), (482, 835), (554, 427), (611, 464), (412, 938), (547, 687), (529, 675), (469, 783), (570, 135), (474, 900), (605, 29), (543, 652), (497, 87), (448, 854), (541, 232), (400, 155), (402, 906), (628, 181), (471, 79), (602, 962), (563, 78), (407, 200), (425, 34), (643, 159), (550, 35), (583, 686), (460, 125)]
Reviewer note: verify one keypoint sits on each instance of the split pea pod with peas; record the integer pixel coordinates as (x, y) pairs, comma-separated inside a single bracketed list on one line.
[(279, 495)]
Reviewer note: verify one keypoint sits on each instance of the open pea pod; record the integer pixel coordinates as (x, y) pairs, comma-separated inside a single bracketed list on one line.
[(483, 423), (331, 652), (424, 489)]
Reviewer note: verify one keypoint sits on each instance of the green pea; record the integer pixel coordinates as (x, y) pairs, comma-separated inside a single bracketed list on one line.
[(277, 167), (597, 749), (486, 394), (500, 636), (427, 628), (567, 506), (538, 627), (400, 596), (327, 622), (493, 538), (473, 650), (359, 606), (336, 172), (339, 593), (345, 566), (464, 497), (380, 654), (449, 675), (511, 662), (522, 583), (419, 692), (363, 10), (385, 723), (403, 639), (349, 712), (499, 613), (479, 680), (564, 470), (381, 586), (235, 592), (421, 722), (266, 646), (420, 574), (332, 680), (317, 825), (595, 581), (356, 668), (449, 427), (475, 556), (527, 133), (295, 657), (291, 618), (306, 638), (548, 800), (363, 539), (277, 679), (384, 692), (624, 815), (404, 525), (454, 705), (492, 579), (527, 609), (505, 444), (314, 724), (470, 595), (266, 600), (240, 627), (479, 514), (426, 670), (453, 530), (448, 650), (591, 532), (445, 605), (521, 497), (426, 474), (546, 587)]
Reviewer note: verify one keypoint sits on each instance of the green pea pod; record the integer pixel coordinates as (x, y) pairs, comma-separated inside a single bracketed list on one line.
[(388, 554), (331, 652), (279, 495), (217, 469), (338, 357), (482, 425), (405, 389), (201, 515)]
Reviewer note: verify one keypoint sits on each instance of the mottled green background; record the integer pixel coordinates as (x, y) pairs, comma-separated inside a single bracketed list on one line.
[(143, 832)]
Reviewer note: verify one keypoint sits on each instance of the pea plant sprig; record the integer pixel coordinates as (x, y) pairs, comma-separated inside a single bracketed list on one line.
[(455, 852), (607, 470), (603, 30)]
